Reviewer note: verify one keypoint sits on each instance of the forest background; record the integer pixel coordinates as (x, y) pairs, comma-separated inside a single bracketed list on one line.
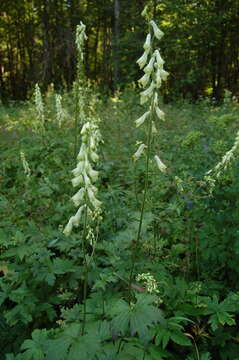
[(37, 44)]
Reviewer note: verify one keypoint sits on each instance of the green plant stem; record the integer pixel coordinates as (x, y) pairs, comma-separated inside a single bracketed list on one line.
[(86, 272), (146, 183), (196, 349), (76, 119)]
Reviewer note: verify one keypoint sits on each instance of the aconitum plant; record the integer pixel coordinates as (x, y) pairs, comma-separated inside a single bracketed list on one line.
[(39, 106), (152, 64), (85, 176)]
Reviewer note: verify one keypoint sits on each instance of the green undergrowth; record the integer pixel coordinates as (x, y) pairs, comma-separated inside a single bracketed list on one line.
[(189, 245)]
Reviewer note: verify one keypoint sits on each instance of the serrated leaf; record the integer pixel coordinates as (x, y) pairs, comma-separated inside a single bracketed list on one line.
[(85, 346), (57, 349)]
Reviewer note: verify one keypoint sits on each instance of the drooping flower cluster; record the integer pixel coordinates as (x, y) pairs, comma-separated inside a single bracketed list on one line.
[(39, 105), (222, 165), (85, 176), (151, 63), (80, 39), (60, 112)]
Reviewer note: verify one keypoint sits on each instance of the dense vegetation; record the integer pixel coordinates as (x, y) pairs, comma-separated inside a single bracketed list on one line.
[(146, 268), (37, 44), (189, 246)]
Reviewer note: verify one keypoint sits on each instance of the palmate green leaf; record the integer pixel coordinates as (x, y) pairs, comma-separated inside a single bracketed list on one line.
[(138, 317), (57, 349), (35, 347), (172, 330), (84, 347)]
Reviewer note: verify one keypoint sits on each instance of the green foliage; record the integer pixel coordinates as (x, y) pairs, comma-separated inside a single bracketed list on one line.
[(189, 241)]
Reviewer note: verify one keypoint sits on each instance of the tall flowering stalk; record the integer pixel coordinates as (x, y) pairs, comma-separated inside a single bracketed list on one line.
[(60, 113), (39, 106), (80, 79), (151, 63), (85, 176), (85, 198)]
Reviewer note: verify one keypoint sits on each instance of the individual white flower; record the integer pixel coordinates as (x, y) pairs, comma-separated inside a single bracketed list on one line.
[(143, 59), (160, 164), (142, 119), (157, 32), (76, 218), (144, 80), (139, 152), (164, 74), (147, 43), (147, 93), (78, 197), (68, 227), (160, 113), (159, 60), (149, 68)]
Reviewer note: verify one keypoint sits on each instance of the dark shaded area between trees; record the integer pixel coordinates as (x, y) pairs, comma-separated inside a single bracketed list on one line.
[(200, 46)]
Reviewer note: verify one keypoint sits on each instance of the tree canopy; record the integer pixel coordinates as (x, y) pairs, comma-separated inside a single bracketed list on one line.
[(200, 46)]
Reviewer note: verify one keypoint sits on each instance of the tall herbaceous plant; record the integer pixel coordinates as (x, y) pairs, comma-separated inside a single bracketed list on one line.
[(152, 64), (79, 88), (88, 214)]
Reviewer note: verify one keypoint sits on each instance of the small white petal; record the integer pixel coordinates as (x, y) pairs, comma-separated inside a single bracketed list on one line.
[(160, 113), (94, 156), (143, 59), (147, 43), (164, 74), (157, 32), (160, 164), (148, 92), (144, 80), (78, 197), (76, 218), (149, 68), (68, 227), (82, 153), (142, 119), (139, 152), (93, 174), (159, 60)]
